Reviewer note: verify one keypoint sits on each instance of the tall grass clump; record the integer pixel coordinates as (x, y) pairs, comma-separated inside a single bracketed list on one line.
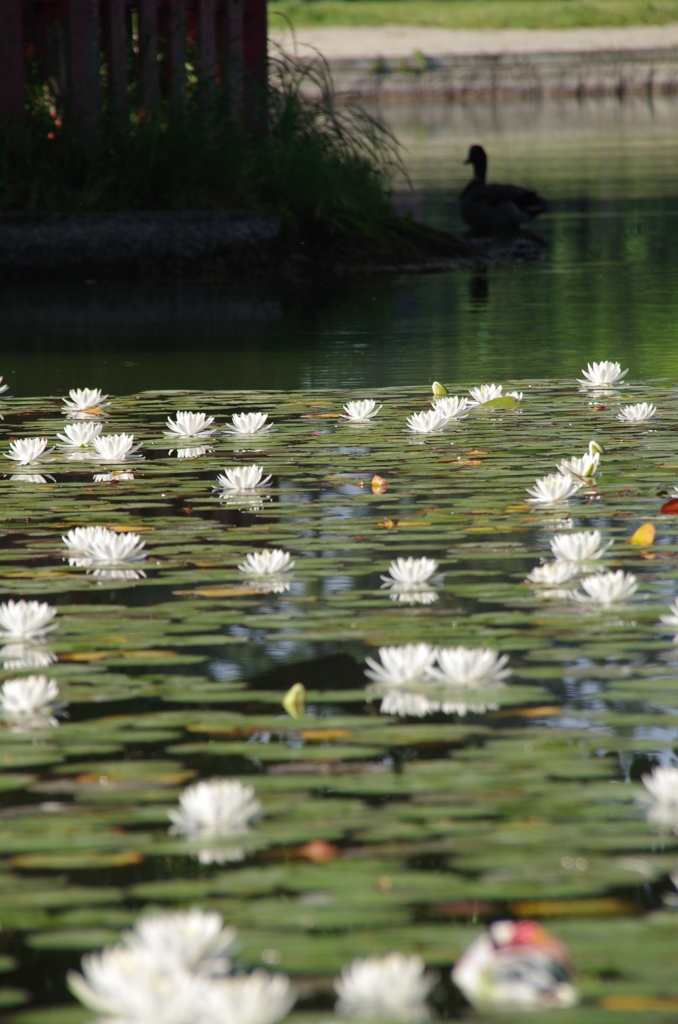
[(309, 160)]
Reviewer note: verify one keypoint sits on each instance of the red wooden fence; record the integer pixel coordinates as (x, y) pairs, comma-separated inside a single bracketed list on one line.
[(69, 42)]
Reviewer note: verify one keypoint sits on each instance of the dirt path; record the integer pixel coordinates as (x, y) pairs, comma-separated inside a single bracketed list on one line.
[(404, 40)]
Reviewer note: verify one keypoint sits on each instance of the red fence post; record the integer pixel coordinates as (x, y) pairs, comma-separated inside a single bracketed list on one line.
[(255, 58), (177, 53), (115, 46), (12, 61), (206, 44), (234, 56), (148, 51), (85, 60)]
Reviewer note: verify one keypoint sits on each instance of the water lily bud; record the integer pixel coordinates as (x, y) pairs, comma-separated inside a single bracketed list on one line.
[(294, 701), (596, 447), (438, 389)]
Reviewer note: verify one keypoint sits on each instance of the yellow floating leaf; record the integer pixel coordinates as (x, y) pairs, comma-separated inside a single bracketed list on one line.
[(85, 656), (413, 522), (544, 711), (635, 1003), (230, 732), (149, 652), (294, 701), (386, 524), (644, 535), (598, 906), (216, 592), (324, 735)]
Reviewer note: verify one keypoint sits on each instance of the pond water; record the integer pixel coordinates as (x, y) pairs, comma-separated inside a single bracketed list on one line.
[(397, 813), (605, 284)]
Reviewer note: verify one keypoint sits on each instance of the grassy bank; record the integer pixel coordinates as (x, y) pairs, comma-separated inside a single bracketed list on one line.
[(313, 161), (326, 171), (475, 14)]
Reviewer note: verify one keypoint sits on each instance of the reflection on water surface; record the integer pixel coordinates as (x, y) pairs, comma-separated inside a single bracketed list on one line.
[(604, 287), (442, 805), (444, 787)]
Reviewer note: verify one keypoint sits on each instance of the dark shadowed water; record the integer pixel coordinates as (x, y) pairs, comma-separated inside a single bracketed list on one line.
[(604, 289)]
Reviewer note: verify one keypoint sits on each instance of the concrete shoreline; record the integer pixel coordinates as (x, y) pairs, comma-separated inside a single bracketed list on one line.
[(404, 63)]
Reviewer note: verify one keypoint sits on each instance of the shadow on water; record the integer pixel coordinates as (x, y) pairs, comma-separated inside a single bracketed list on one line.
[(602, 287)]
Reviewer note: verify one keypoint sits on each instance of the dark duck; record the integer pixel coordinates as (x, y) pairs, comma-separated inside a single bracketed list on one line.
[(496, 209)]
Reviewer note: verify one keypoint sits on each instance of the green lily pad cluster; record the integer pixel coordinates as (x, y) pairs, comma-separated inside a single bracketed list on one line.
[(383, 827)]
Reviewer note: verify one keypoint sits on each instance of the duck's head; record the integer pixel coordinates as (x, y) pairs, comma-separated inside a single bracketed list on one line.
[(477, 157)]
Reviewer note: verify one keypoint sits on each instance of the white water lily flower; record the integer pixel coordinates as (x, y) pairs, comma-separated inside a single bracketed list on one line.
[(256, 998), (551, 489), (410, 593), (249, 423), (243, 478), (470, 667), (607, 588), (267, 563), (602, 375), (401, 664), (215, 807), (410, 704), (97, 546), (80, 538), (406, 703), (192, 453), (582, 546), (662, 785), (486, 393), (27, 450), (131, 986), (452, 407), (79, 434), (32, 697), (84, 399), (637, 413), (518, 395), (584, 466), (193, 940), (3, 387), (115, 447), (672, 618), (552, 574), (394, 987), (26, 655), (190, 424), (515, 965), (116, 477), (427, 422), (26, 620), (31, 478), (360, 411), (410, 571)]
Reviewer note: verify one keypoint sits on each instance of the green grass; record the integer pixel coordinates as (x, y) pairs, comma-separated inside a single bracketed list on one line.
[(474, 14)]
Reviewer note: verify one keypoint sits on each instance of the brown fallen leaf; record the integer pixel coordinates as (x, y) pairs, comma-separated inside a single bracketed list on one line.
[(324, 735), (318, 851), (86, 656), (598, 906)]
